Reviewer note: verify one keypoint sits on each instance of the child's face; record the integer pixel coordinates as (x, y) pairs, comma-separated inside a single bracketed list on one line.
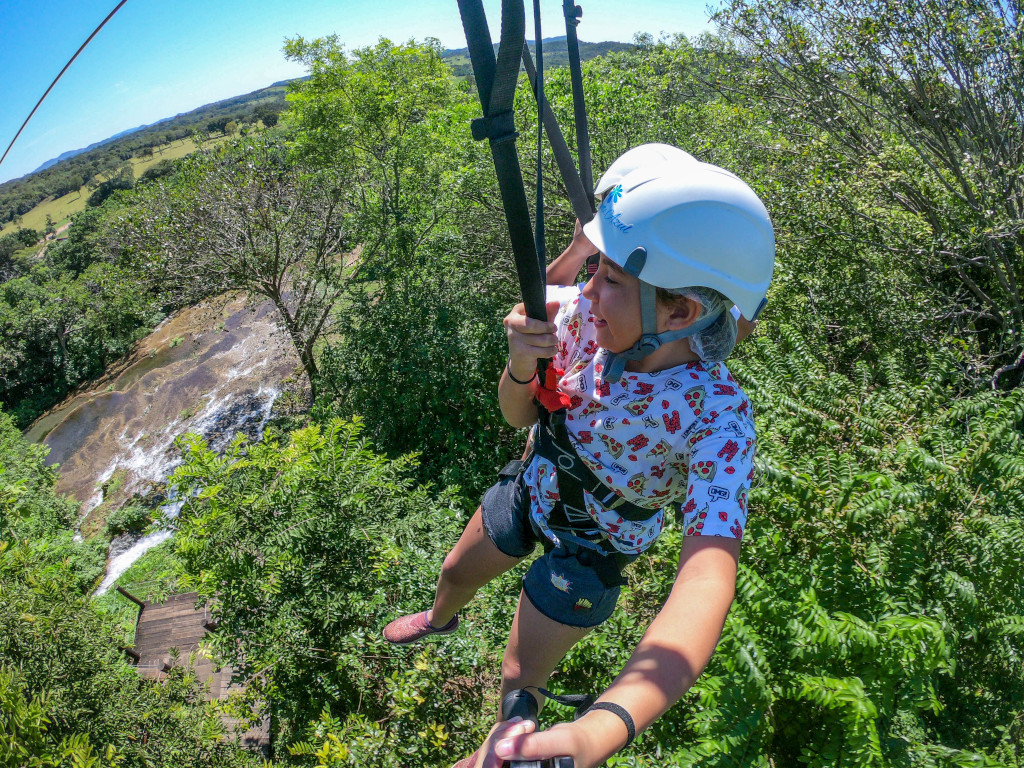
[(615, 300)]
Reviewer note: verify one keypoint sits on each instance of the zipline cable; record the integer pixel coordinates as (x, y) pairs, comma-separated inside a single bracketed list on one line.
[(58, 77)]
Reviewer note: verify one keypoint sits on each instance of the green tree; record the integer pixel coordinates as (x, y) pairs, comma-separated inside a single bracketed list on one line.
[(383, 117), (266, 114), (925, 98), (25, 737), (67, 692), (248, 219), (303, 542), (433, 269)]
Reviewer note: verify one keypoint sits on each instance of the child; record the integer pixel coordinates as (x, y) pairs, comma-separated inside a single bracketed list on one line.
[(653, 420)]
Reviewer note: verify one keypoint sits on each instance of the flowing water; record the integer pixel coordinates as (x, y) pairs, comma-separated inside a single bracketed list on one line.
[(216, 369)]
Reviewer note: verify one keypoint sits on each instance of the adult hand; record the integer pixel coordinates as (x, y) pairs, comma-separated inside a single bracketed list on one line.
[(529, 339), (510, 741)]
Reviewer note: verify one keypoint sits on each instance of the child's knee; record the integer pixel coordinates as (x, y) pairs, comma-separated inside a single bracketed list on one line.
[(455, 572), (517, 672), (512, 671)]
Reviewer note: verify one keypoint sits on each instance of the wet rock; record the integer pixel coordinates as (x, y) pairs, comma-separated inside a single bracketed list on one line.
[(117, 441), (121, 544)]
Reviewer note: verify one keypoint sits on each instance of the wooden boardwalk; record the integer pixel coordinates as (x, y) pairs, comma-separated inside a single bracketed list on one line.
[(178, 624)]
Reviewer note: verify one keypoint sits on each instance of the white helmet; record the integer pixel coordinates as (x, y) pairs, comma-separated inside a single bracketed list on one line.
[(681, 224), (678, 223), (655, 155)]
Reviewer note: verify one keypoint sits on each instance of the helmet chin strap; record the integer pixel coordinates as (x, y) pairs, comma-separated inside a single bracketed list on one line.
[(614, 363)]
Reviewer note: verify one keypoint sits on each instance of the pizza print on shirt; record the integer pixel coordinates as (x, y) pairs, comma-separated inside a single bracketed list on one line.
[(683, 436)]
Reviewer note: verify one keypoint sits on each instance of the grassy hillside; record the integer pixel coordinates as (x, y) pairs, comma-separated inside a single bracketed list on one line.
[(19, 197), (58, 191), (60, 209)]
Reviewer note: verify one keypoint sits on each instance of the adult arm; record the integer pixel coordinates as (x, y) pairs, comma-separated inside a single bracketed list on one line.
[(669, 659), (564, 269)]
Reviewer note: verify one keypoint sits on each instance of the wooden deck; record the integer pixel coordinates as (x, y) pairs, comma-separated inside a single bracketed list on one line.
[(178, 624)]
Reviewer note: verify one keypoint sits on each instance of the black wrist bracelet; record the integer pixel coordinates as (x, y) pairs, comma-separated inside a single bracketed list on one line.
[(616, 709), (508, 370)]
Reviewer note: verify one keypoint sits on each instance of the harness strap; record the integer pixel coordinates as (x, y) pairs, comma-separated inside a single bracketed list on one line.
[(538, 94), (496, 84), (579, 191), (574, 476), (572, 13)]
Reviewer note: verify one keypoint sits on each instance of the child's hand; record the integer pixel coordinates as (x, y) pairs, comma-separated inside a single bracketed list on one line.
[(580, 244), (529, 339)]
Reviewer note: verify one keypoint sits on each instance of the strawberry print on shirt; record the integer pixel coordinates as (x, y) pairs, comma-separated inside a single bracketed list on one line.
[(679, 437)]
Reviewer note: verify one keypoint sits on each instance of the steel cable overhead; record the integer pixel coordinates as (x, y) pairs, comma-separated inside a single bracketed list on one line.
[(59, 76)]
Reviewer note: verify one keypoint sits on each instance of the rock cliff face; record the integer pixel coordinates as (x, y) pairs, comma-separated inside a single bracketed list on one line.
[(215, 369)]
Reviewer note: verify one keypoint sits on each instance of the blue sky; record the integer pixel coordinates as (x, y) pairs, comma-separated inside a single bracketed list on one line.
[(156, 59)]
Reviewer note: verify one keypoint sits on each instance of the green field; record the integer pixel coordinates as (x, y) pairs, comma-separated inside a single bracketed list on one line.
[(61, 209)]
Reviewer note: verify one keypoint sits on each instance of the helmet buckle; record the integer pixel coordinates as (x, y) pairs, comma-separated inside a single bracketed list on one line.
[(648, 343)]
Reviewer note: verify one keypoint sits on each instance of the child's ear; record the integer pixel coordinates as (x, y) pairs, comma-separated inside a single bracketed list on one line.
[(684, 311)]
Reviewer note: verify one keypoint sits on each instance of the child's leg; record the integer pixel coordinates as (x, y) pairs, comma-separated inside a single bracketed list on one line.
[(535, 646), (473, 562)]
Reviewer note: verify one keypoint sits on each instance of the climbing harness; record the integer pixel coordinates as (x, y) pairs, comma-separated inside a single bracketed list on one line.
[(496, 82)]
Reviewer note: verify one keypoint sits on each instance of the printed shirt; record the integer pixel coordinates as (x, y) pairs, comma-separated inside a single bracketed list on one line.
[(682, 436)]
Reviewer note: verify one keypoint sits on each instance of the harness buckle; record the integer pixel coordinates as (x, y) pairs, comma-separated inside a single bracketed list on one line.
[(498, 128)]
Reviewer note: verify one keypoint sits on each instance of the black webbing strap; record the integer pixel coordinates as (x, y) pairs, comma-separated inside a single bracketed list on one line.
[(572, 14), (520, 703), (580, 193), (496, 84), (552, 442), (538, 93)]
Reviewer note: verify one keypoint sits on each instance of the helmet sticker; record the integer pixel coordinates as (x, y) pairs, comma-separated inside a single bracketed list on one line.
[(606, 210)]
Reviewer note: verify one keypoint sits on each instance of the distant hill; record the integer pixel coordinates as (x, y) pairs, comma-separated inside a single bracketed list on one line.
[(198, 115), (556, 53), (75, 152), (76, 168)]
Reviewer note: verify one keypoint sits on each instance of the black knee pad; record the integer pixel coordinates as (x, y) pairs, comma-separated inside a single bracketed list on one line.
[(519, 703)]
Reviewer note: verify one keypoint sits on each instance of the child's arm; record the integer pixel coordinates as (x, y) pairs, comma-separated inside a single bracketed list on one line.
[(672, 654), (744, 328), (528, 340), (564, 269)]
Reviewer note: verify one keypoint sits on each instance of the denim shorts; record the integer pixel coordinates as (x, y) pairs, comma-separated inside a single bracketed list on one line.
[(568, 584)]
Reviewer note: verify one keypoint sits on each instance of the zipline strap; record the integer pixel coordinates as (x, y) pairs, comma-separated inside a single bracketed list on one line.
[(572, 13), (538, 92), (580, 194), (496, 85)]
